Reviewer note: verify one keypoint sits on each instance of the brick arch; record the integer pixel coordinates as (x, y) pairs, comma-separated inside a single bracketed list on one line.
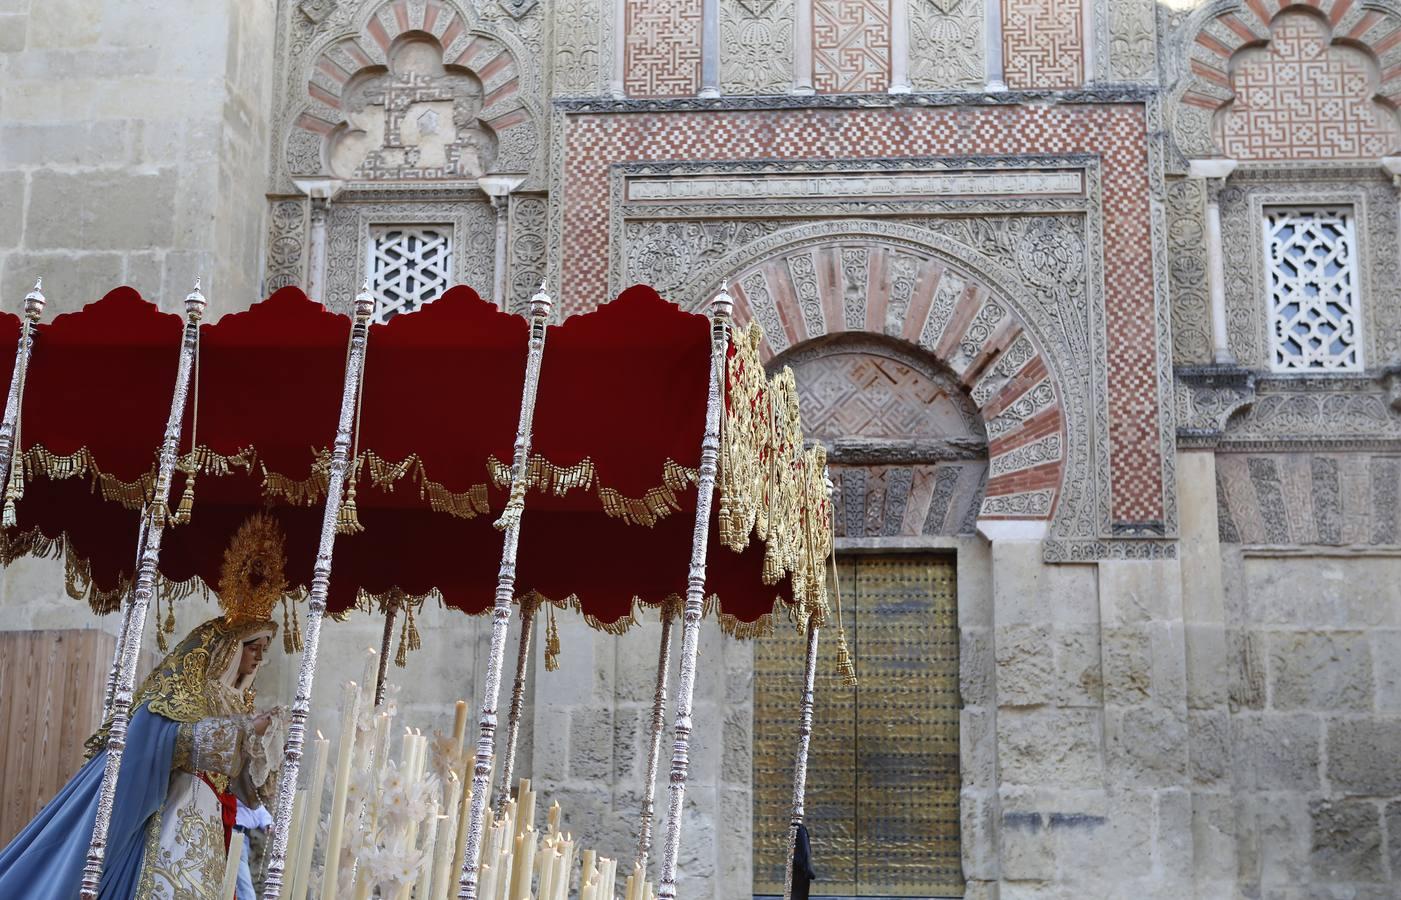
[(465, 48), (1220, 48), (831, 278)]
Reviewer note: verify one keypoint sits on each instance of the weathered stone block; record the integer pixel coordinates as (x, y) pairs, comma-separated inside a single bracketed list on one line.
[(1174, 833), (11, 206), (1320, 670), (1323, 591), (1028, 850), (978, 833), (1276, 752), (1079, 681), (1145, 746), (1386, 657), (1362, 755), (1025, 665), (1028, 591), (1207, 672), (591, 744), (66, 24), (1213, 837), (1347, 841), (1209, 746), (977, 748), (1169, 663), (12, 32), (70, 280), (1117, 835), (108, 211), (63, 143), (1393, 835), (975, 666), (1136, 591), (1246, 664), (1275, 836), (1127, 662), (1053, 747)]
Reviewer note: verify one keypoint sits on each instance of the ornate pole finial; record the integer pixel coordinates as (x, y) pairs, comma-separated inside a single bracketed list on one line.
[(195, 302), (723, 306), (541, 303), (364, 303), (34, 301)]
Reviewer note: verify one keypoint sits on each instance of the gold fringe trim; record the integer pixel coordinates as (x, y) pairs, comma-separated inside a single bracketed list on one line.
[(770, 486)]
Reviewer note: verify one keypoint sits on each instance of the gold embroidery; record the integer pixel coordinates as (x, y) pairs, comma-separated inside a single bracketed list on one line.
[(185, 854)]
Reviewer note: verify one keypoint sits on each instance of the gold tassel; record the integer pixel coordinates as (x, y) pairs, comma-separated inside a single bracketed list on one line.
[(161, 642), (414, 640), (169, 617), (401, 657), (551, 643), (286, 628), (845, 667), (348, 520), (296, 632), (187, 499)]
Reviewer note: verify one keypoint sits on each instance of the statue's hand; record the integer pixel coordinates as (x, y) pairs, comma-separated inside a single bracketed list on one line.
[(261, 723)]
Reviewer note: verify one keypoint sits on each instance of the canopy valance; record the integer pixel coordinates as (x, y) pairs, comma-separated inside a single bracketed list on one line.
[(620, 410)]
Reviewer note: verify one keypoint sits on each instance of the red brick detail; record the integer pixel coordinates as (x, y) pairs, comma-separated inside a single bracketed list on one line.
[(1046, 475), (921, 300), (1230, 21), (1215, 46), (1048, 421), (1116, 133), (1043, 43), (377, 32), (1000, 340), (317, 92), (1338, 11), (401, 17), (1029, 376), (1216, 76), (662, 48)]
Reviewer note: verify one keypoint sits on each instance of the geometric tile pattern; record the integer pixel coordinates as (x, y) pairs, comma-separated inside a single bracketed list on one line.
[(1115, 132), (1301, 98), (1351, 53), (1043, 43), (1311, 269), (851, 45), (662, 50)]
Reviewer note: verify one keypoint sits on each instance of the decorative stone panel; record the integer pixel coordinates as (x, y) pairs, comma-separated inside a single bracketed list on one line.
[(580, 36), (528, 244), (1316, 81), (1191, 305), (414, 94), (1309, 498), (756, 46), (1043, 43), (286, 262), (851, 46), (662, 48), (947, 44)]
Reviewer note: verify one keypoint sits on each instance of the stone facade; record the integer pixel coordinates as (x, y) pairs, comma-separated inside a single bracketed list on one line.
[(1027, 312)]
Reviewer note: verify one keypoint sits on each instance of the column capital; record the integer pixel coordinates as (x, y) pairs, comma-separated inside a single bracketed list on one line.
[(1000, 530), (323, 189), (499, 186), (1211, 168), (1391, 165)]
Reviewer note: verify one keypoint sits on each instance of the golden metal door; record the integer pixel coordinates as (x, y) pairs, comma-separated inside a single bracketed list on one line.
[(883, 771)]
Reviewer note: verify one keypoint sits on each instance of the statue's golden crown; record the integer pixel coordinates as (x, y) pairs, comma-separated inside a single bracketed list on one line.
[(253, 578)]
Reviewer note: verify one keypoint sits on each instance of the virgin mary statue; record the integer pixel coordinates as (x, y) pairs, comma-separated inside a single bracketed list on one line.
[(193, 745)]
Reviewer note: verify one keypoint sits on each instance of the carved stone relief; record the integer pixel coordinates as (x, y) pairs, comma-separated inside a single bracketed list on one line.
[(579, 40), (1187, 272), (418, 121), (528, 244), (756, 46), (1309, 498), (1374, 203), (286, 263), (348, 226), (947, 44), (1133, 40)]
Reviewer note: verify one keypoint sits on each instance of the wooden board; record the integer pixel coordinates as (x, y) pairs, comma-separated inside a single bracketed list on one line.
[(51, 692)]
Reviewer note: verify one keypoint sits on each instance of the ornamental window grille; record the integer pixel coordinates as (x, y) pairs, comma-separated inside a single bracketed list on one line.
[(1311, 275), (410, 266)]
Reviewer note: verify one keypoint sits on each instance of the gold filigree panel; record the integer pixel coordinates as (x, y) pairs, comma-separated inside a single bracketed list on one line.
[(883, 771)]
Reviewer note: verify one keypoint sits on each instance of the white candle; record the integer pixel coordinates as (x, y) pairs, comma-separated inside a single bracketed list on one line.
[(294, 845), (447, 835), (350, 705), (231, 866), (371, 679), (307, 846)]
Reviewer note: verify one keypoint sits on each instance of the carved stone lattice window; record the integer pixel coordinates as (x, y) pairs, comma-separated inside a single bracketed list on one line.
[(409, 266), (1311, 277)]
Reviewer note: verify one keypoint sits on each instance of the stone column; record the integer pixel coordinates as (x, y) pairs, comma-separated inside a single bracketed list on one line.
[(900, 47), (321, 191), (802, 48), (1091, 37), (1214, 172), (620, 25), (992, 28), (498, 188), (710, 49)]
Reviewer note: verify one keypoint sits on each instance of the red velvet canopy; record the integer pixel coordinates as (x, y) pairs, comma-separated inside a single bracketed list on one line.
[(616, 444)]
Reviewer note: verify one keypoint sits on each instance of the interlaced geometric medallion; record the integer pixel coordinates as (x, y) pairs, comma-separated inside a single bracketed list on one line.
[(1311, 270), (409, 267)]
